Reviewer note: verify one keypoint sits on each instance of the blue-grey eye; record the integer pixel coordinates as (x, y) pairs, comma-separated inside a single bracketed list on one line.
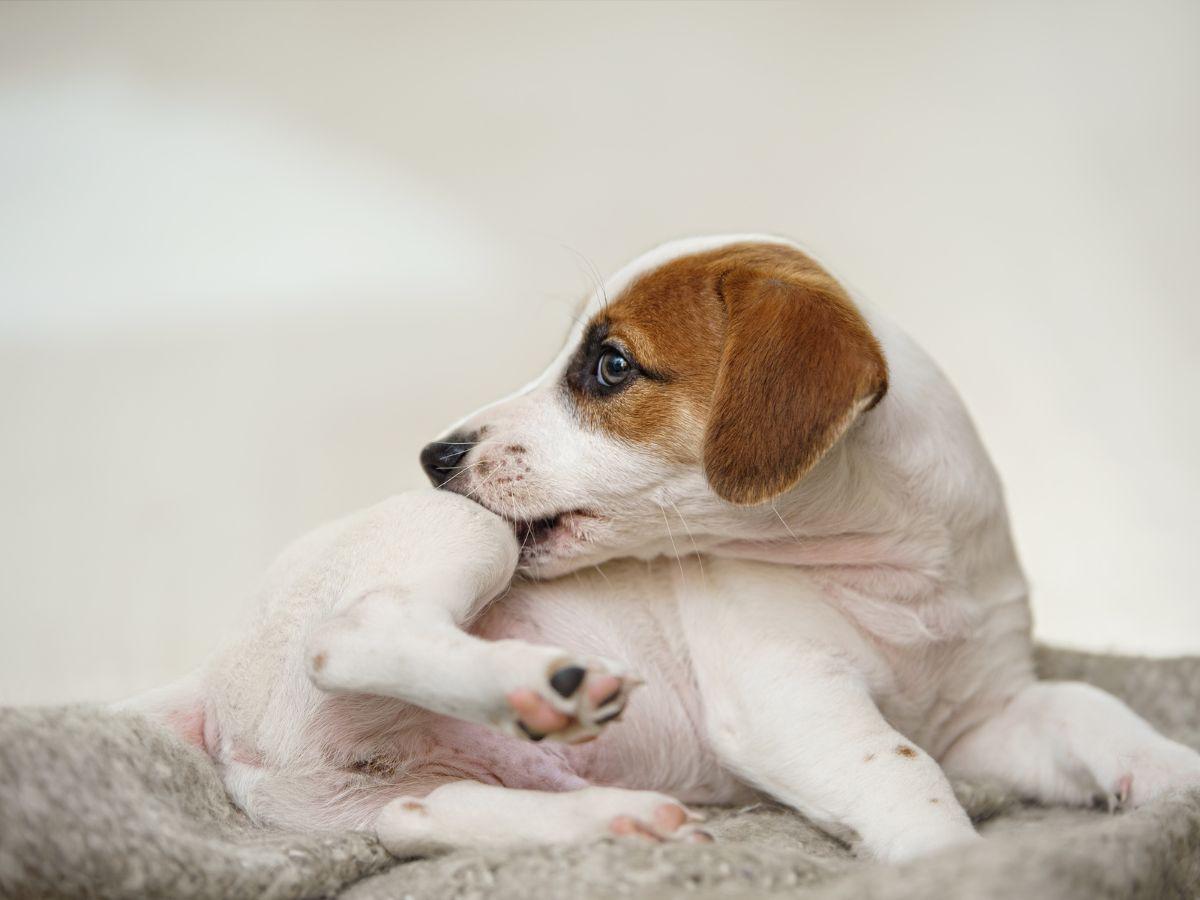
[(612, 368)]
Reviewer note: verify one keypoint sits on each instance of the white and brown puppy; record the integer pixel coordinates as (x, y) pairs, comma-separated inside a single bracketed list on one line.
[(771, 507)]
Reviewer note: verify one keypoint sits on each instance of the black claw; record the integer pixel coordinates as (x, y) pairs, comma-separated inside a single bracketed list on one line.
[(532, 735), (567, 680)]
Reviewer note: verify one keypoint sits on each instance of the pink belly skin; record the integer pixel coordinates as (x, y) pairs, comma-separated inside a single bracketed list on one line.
[(659, 743)]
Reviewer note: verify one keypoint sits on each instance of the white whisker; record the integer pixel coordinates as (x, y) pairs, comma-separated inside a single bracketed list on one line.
[(476, 444), (784, 522), (513, 500), (474, 492), (592, 271), (460, 471), (688, 529), (674, 548)]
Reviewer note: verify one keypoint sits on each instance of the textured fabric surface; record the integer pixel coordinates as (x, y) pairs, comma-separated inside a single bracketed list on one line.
[(94, 803)]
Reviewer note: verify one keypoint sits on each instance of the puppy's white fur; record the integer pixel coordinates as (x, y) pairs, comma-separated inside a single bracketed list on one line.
[(835, 649)]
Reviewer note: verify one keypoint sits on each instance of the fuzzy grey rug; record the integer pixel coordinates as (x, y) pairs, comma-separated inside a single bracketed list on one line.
[(97, 804)]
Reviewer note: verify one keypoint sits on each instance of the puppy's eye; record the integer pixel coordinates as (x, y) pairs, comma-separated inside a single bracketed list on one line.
[(612, 368)]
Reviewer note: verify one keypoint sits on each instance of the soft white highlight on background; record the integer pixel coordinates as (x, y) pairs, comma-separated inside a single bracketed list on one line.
[(252, 257)]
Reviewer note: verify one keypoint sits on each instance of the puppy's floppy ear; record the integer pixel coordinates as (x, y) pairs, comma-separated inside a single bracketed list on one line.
[(799, 365)]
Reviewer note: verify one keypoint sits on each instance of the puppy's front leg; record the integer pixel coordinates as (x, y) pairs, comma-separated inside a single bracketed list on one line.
[(421, 566), (788, 708)]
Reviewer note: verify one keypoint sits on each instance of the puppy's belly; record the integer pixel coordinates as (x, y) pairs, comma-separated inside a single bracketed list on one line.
[(630, 616)]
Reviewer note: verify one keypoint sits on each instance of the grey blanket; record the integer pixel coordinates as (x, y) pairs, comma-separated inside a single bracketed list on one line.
[(99, 804)]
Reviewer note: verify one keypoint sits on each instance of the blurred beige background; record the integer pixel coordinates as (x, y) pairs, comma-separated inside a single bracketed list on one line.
[(253, 256)]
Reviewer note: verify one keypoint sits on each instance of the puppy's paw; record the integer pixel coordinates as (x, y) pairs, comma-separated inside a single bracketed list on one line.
[(667, 821), (578, 698), (1149, 772)]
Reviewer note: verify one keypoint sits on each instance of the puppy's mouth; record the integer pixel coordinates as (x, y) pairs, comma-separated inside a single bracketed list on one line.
[(555, 537), (551, 535)]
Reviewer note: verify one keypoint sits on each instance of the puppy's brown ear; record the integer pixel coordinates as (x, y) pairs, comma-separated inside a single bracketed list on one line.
[(799, 365)]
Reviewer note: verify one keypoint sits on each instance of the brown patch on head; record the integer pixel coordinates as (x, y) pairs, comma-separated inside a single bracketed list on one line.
[(906, 751), (413, 806), (672, 324), (755, 360), (868, 757), (318, 662)]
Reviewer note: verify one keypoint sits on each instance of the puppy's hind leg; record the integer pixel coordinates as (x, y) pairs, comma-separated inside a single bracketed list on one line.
[(469, 814), (1072, 743), (396, 645), (398, 630)]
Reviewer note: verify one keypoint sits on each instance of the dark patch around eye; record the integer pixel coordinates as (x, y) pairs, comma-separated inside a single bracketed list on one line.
[(581, 368), (581, 371)]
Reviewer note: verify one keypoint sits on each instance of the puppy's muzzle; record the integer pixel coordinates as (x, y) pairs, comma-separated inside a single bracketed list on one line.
[(442, 460)]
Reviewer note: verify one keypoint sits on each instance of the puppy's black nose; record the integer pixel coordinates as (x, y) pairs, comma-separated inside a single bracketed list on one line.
[(441, 459)]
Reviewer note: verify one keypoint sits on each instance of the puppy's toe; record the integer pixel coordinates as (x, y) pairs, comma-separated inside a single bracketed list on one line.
[(603, 689), (606, 692), (670, 817), (573, 704), (1119, 797), (628, 826), (665, 822), (535, 716)]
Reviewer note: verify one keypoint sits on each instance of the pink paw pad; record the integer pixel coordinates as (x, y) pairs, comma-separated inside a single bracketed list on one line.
[(575, 709), (1124, 788), (535, 713), (667, 823)]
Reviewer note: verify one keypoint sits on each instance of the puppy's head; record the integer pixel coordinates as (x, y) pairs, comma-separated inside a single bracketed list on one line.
[(705, 378)]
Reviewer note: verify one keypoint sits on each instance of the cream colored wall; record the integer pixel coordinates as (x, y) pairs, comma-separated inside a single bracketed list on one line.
[(252, 256)]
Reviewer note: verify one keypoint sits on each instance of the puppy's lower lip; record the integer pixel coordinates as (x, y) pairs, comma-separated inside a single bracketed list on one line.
[(534, 533), (538, 528)]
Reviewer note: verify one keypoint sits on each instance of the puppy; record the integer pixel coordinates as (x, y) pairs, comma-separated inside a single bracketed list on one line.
[(736, 482)]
